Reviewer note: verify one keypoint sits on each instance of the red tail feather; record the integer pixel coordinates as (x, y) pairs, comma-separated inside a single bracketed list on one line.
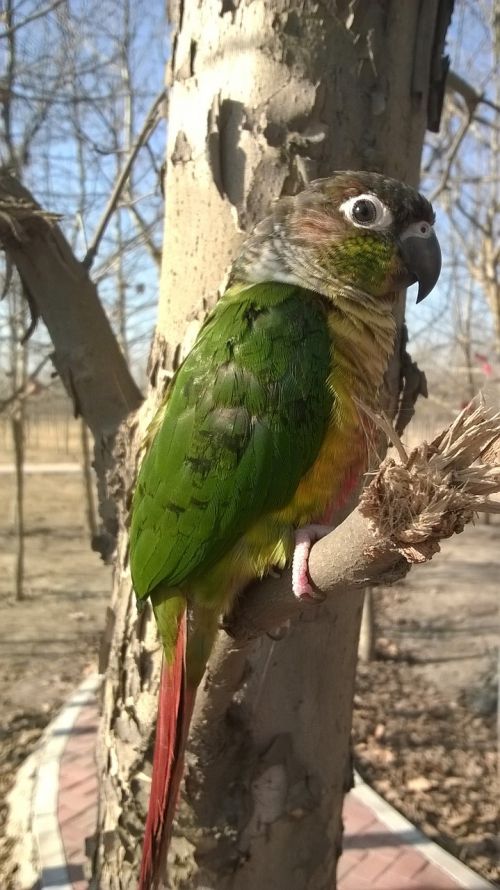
[(174, 715)]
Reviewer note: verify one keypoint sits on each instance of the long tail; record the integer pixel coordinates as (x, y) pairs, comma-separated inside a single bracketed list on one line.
[(174, 715)]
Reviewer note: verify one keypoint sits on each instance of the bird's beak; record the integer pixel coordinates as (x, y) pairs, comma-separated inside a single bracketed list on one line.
[(422, 256)]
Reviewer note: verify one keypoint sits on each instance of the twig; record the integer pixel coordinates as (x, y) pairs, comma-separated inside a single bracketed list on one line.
[(144, 230), (470, 95), (150, 123), (22, 392), (452, 153), (31, 18)]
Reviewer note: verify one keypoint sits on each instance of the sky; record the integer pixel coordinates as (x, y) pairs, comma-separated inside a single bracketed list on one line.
[(70, 86), (432, 324)]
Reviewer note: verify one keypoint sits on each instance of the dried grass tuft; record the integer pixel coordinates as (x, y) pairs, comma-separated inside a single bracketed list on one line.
[(434, 491)]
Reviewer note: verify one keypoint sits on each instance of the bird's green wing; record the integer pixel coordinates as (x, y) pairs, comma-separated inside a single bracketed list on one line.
[(243, 420)]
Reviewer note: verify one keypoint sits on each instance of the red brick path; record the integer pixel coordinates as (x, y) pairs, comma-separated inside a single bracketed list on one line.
[(77, 799), (375, 857)]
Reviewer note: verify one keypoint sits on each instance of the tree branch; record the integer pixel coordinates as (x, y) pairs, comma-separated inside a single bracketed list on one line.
[(152, 118), (469, 94), (451, 155), (86, 352), (144, 230), (402, 516), (31, 386), (31, 18)]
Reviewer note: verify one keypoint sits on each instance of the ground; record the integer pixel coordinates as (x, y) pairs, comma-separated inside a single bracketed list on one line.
[(50, 639), (424, 726), (425, 731)]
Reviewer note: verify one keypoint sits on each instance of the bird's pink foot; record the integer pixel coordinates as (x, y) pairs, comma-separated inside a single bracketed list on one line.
[(304, 539)]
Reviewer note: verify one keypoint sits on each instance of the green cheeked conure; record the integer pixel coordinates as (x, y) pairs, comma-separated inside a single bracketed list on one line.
[(261, 435)]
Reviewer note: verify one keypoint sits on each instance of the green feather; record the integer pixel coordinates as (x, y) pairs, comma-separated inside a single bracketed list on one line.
[(243, 421)]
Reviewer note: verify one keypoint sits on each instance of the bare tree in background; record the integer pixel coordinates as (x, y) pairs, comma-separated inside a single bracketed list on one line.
[(117, 252), (18, 379), (464, 177), (72, 75), (16, 146), (55, 61)]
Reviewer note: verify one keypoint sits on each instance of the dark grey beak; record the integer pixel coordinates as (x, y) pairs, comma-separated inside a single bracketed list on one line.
[(422, 256)]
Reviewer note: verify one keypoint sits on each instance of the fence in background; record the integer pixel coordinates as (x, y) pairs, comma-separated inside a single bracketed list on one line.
[(51, 431)]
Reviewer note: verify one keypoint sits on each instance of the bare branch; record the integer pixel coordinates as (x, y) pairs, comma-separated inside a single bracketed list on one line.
[(471, 97), (31, 18), (473, 220), (31, 386), (451, 155), (403, 514), (144, 229), (152, 119), (6, 95)]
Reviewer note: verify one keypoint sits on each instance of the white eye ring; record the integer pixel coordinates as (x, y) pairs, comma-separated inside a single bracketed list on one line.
[(381, 217)]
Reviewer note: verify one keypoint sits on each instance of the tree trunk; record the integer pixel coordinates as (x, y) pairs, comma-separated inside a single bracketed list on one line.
[(88, 484), (17, 424), (19, 377), (263, 96)]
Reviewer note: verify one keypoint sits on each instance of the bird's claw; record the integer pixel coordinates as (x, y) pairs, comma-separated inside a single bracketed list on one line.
[(301, 584)]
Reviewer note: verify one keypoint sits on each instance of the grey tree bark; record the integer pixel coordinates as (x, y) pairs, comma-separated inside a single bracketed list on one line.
[(263, 96)]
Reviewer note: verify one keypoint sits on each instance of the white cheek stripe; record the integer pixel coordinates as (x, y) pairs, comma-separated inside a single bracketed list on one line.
[(384, 216)]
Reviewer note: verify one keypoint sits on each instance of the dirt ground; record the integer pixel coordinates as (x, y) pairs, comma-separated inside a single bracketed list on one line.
[(50, 639), (425, 717), (425, 727)]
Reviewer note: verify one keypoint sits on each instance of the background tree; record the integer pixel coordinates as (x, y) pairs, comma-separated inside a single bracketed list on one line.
[(461, 175), (73, 95)]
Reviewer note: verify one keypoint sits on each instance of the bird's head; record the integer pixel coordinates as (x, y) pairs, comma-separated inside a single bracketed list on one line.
[(360, 232)]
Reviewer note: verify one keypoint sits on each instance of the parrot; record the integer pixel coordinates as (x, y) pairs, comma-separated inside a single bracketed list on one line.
[(261, 432)]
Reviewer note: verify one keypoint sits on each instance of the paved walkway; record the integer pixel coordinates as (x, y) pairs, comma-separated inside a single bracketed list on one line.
[(381, 849)]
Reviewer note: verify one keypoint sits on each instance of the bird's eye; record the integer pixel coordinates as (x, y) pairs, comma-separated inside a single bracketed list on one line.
[(364, 212), (367, 212)]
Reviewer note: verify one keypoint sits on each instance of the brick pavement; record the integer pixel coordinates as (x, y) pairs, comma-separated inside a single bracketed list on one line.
[(381, 850), (376, 857), (77, 798)]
